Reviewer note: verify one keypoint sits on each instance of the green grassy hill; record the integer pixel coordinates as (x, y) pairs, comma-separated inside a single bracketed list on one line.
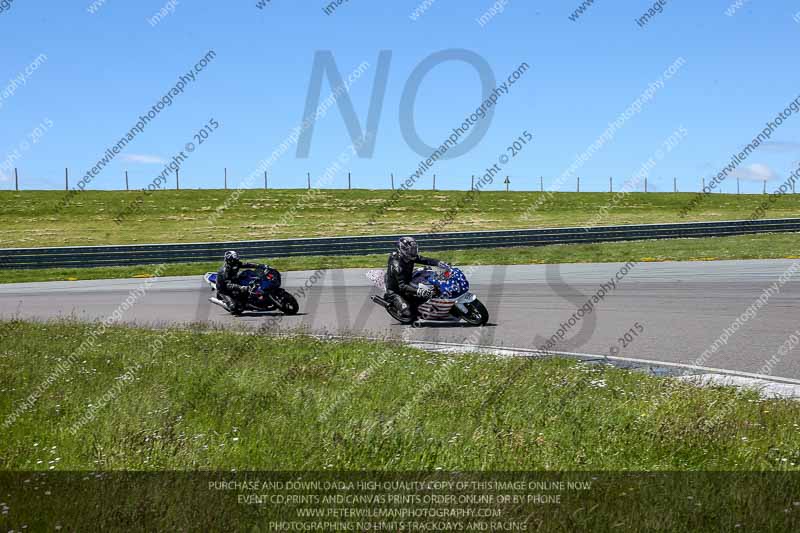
[(37, 218)]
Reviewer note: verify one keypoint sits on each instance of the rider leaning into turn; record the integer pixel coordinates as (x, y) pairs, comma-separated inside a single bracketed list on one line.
[(399, 288), (228, 288)]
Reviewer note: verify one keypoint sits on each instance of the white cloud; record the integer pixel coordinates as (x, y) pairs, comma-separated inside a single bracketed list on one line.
[(755, 172), (143, 159)]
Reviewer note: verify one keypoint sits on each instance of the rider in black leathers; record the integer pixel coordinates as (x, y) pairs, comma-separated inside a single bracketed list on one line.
[(228, 290), (400, 291)]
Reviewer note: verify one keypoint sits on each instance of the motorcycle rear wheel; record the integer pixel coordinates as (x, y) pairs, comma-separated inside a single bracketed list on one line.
[(397, 316)]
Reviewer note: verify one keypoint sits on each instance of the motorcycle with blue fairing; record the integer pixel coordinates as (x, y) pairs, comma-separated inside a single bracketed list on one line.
[(263, 288), (450, 299)]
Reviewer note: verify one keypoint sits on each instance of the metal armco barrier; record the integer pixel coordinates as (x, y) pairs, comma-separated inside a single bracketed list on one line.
[(98, 256)]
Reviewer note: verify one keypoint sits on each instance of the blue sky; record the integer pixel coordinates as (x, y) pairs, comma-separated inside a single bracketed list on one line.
[(104, 69)]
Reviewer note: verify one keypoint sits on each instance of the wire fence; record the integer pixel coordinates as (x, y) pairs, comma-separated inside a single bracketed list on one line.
[(507, 182)]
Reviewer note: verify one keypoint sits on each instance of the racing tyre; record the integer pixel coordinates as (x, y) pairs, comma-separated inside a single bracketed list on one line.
[(285, 302), (397, 316), (477, 314)]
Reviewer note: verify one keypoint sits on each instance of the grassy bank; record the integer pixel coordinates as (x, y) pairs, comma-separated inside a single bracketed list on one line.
[(222, 401), (775, 246), (32, 218), (218, 405)]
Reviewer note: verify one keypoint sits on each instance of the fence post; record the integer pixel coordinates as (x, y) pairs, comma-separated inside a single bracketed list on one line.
[(126, 181), (177, 180), (16, 180), (66, 179), (348, 182)]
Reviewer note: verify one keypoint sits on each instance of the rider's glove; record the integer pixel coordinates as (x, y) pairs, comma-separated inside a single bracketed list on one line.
[(443, 265), (424, 291)]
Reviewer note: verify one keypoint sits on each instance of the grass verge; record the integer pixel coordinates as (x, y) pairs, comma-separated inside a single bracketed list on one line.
[(213, 402), (181, 399), (763, 246), (32, 218)]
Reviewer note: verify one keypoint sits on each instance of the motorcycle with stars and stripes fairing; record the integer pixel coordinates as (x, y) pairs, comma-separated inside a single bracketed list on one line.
[(451, 300)]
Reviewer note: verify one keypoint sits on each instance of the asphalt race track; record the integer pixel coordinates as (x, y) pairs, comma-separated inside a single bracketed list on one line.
[(682, 307)]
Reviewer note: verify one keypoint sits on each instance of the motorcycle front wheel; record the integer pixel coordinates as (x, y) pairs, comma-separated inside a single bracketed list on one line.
[(476, 315), (285, 302)]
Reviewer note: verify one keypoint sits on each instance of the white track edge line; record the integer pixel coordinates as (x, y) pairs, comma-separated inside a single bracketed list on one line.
[(524, 352)]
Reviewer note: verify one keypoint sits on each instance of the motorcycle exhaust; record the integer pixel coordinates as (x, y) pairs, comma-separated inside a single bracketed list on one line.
[(218, 302), (380, 301)]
